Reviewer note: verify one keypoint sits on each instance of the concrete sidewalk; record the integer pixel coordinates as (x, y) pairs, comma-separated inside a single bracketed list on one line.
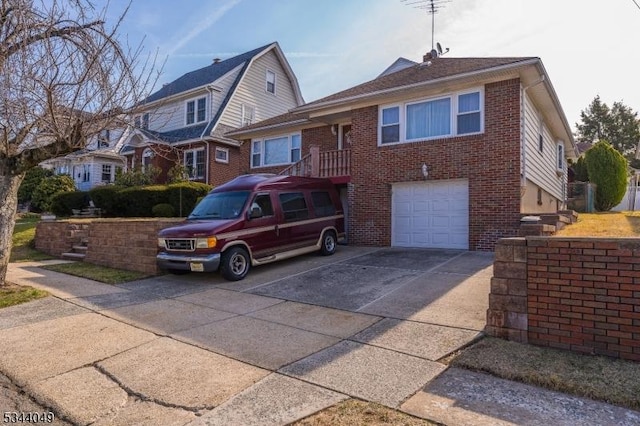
[(273, 348)]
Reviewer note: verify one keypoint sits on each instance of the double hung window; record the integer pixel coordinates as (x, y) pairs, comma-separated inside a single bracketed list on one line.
[(446, 116), (276, 151)]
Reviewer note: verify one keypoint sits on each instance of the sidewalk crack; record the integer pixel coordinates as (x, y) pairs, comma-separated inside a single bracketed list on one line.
[(143, 397)]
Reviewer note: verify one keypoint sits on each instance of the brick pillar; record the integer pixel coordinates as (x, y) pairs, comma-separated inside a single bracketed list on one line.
[(507, 313)]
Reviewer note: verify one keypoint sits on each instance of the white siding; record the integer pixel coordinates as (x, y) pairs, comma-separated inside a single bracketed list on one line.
[(170, 115), (252, 91), (540, 167)]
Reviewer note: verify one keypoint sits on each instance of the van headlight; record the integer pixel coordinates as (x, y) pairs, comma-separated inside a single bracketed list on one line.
[(161, 243), (209, 242)]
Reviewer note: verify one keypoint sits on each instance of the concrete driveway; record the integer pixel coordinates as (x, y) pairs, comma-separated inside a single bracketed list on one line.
[(291, 339)]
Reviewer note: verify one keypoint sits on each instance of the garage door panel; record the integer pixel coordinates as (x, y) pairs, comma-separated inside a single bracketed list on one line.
[(431, 214), (440, 222)]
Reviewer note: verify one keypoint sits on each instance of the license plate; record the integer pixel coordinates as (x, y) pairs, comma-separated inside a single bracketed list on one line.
[(196, 267)]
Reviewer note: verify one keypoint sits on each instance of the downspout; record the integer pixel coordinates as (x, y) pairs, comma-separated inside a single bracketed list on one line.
[(523, 139), (207, 144)]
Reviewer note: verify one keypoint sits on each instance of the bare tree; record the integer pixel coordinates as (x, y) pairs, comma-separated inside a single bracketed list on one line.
[(64, 77)]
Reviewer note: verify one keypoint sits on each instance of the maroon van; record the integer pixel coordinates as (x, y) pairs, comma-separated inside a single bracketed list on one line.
[(252, 220)]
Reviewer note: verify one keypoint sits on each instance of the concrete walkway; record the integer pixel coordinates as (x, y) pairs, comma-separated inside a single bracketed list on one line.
[(291, 339)]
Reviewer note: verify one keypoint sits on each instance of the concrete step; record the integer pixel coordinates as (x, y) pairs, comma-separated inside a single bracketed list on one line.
[(73, 256), (80, 248)]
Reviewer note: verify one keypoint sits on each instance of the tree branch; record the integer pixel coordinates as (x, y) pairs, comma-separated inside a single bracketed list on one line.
[(45, 35)]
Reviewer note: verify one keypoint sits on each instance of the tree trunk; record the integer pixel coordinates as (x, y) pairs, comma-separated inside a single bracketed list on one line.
[(8, 206)]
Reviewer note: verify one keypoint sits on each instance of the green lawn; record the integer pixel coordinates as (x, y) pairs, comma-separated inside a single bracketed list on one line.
[(24, 235)]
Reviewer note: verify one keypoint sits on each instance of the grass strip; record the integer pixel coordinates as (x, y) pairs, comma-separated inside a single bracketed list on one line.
[(12, 294), (99, 273), (596, 377)]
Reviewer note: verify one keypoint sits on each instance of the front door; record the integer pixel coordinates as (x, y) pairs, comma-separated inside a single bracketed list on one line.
[(344, 136)]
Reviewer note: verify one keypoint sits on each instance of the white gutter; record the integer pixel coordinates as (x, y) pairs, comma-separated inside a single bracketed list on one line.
[(509, 67), (269, 127), (523, 139)]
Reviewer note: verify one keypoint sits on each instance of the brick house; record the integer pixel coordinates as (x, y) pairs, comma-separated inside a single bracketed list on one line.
[(447, 153), (185, 121)]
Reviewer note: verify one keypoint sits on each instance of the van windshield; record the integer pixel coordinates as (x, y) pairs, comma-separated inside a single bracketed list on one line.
[(223, 205)]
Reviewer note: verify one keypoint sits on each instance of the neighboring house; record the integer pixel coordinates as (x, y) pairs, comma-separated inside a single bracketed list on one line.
[(185, 121), (95, 165), (447, 153)]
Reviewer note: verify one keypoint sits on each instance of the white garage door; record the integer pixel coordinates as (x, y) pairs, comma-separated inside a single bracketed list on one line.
[(430, 214)]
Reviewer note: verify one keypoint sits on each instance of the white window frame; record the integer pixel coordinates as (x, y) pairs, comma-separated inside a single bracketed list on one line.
[(275, 82), (260, 145), (110, 172), (247, 114), (560, 161), (147, 153), (104, 138), (453, 116), (194, 101), (224, 160), (194, 152)]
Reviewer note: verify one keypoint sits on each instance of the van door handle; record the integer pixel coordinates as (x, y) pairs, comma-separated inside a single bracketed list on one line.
[(277, 231)]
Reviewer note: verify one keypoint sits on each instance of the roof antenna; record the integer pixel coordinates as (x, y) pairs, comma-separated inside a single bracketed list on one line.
[(432, 7)]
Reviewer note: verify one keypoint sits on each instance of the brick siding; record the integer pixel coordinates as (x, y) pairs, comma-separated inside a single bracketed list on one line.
[(117, 243), (489, 161), (581, 294)]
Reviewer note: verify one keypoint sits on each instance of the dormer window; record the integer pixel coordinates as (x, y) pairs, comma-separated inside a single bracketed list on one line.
[(196, 111), (103, 138), (271, 82), (141, 121)]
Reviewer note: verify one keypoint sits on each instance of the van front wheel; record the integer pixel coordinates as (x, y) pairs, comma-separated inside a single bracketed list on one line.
[(235, 264), (329, 243)]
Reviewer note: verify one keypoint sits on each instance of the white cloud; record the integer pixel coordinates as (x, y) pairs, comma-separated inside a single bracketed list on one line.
[(210, 18)]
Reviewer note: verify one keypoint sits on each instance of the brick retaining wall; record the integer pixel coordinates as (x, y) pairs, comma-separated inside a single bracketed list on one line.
[(118, 243), (580, 294)]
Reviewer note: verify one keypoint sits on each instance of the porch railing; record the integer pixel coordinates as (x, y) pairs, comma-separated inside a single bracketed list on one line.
[(324, 164)]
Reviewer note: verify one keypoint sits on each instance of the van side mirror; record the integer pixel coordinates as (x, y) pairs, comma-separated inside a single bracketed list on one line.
[(255, 212)]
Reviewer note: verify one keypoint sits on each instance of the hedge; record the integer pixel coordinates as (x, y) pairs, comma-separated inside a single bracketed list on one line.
[(115, 201), (63, 203), (105, 197)]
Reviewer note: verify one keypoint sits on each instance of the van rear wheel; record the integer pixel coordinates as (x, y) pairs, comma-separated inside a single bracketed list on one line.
[(235, 264), (329, 243)]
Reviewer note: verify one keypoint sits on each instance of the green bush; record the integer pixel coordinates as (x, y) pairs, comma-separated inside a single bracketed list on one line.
[(137, 201), (184, 196), (163, 210), (31, 180), (106, 197), (580, 170), (137, 177), (49, 187), (64, 203), (608, 170)]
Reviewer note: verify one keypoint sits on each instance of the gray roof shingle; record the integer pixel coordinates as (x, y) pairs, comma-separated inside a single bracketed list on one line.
[(203, 76)]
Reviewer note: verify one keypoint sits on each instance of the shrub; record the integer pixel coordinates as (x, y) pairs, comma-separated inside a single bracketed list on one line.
[(137, 177), (138, 201), (63, 203), (31, 180), (163, 210), (184, 196), (608, 170), (106, 197), (49, 188), (580, 170)]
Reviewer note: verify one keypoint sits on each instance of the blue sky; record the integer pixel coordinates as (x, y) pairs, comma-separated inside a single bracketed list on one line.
[(588, 47)]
